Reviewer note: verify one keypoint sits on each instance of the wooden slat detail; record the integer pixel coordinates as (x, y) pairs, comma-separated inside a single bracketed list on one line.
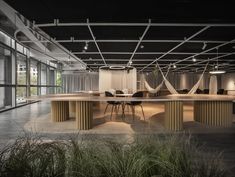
[(213, 113), (174, 115), (59, 111), (72, 108), (84, 115)]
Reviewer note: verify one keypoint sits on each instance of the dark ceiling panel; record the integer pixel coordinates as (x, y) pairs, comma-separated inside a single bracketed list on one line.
[(167, 11)]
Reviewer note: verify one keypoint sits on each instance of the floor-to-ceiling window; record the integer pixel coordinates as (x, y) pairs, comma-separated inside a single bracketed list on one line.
[(23, 75), (34, 65), (5, 78)]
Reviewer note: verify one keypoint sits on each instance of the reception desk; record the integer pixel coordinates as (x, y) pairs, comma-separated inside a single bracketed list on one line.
[(212, 110)]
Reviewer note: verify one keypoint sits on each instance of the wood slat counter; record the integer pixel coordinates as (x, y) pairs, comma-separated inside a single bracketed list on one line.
[(213, 110)]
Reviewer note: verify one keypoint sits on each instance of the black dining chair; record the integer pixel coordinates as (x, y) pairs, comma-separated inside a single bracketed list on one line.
[(206, 91), (114, 104), (199, 91), (119, 92), (220, 92), (132, 104)]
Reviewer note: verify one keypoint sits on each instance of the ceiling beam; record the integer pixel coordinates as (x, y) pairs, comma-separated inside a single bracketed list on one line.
[(210, 59), (187, 39), (213, 48), (146, 53), (72, 40), (137, 46), (138, 24), (141, 60), (88, 25)]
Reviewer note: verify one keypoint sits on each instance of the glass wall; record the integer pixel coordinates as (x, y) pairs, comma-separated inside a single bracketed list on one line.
[(5, 78), (21, 89), (22, 75)]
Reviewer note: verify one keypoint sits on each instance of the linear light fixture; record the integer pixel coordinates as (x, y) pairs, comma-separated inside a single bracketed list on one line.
[(217, 72)]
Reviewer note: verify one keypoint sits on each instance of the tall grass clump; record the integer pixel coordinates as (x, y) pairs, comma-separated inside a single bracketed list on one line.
[(145, 156)]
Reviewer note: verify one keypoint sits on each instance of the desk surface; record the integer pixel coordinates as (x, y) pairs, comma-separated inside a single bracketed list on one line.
[(175, 97)]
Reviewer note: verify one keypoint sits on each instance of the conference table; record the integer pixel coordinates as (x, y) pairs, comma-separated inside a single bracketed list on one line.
[(212, 110)]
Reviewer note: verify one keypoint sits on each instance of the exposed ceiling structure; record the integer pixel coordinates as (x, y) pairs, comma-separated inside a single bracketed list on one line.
[(184, 33)]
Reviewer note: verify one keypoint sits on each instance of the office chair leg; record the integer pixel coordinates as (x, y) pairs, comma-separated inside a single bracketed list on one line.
[(142, 111), (133, 112), (118, 108), (106, 108), (111, 112), (123, 110)]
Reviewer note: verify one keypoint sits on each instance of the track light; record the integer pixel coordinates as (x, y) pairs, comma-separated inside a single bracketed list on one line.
[(86, 46), (142, 46), (130, 62), (194, 59), (204, 46), (174, 66)]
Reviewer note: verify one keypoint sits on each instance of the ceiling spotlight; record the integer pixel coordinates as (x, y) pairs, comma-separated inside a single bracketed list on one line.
[(216, 66), (142, 46), (204, 46), (130, 62), (194, 59), (86, 46), (174, 66)]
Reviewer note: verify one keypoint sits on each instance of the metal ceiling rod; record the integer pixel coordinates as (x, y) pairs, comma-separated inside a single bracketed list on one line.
[(137, 46), (202, 53), (142, 60), (100, 64), (126, 41), (210, 59), (138, 24), (88, 25), (194, 35), (147, 53)]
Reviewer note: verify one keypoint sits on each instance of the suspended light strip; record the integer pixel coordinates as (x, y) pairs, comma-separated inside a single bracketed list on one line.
[(217, 72)]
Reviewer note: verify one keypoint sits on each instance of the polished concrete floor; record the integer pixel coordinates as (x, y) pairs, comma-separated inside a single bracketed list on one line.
[(26, 119)]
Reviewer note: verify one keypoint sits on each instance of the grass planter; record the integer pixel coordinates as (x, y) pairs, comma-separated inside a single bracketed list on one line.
[(145, 156)]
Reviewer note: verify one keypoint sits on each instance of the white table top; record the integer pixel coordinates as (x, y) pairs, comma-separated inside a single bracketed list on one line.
[(123, 95)]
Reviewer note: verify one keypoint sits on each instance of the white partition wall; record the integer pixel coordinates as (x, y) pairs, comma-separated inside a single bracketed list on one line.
[(118, 80)]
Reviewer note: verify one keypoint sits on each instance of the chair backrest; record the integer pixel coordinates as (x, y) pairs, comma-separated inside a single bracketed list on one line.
[(206, 91), (112, 91), (137, 94), (220, 92), (125, 91), (199, 91), (108, 94), (119, 92)]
